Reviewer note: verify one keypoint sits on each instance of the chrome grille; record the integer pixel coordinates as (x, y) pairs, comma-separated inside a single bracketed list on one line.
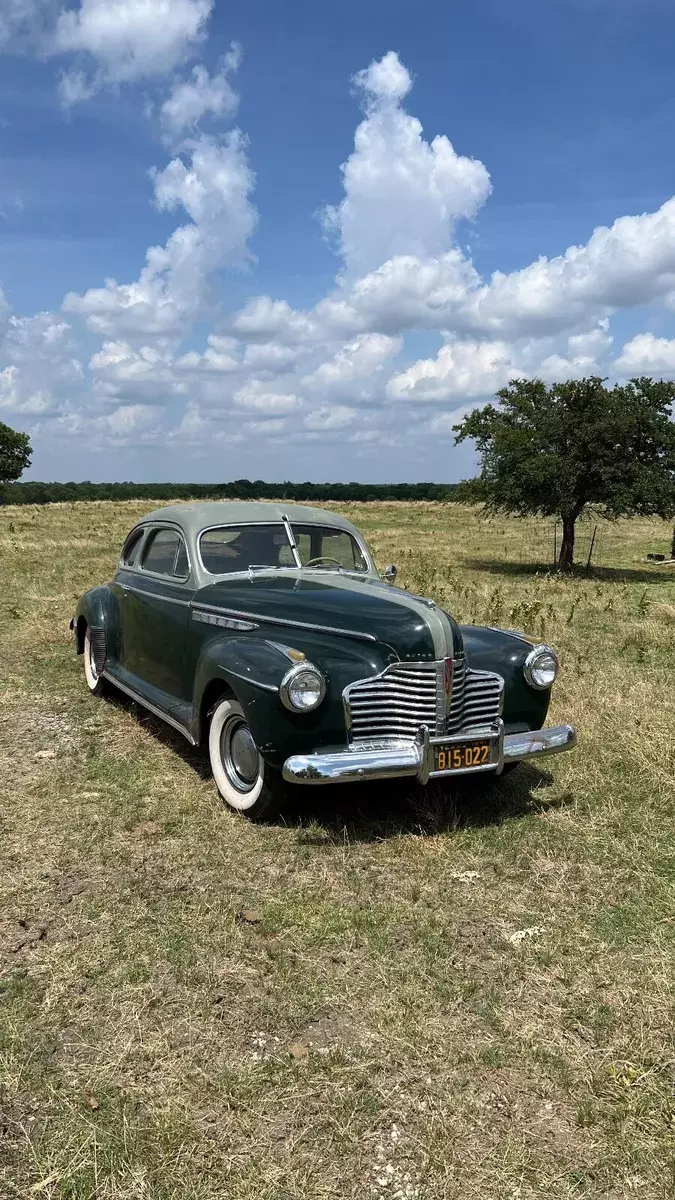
[(483, 693), (454, 721), (407, 695), (396, 703)]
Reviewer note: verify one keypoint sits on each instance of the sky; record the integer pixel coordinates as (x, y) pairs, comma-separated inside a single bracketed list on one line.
[(300, 241)]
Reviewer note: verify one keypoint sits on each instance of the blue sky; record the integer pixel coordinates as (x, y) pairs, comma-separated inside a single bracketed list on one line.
[(272, 339)]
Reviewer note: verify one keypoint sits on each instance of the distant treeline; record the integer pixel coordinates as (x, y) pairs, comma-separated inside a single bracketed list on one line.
[(239, 489)]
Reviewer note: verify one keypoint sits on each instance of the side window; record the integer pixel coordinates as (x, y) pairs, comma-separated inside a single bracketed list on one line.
[(165, 554), (131, 547)]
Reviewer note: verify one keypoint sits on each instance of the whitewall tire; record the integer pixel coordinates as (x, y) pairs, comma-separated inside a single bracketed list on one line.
[(95, 681), (243, 778)]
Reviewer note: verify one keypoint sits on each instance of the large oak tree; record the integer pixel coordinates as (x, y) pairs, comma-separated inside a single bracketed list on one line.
[(555, 450)]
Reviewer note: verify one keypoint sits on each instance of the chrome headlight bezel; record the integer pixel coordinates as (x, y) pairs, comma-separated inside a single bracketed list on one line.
[(290, 678), (531, 666)]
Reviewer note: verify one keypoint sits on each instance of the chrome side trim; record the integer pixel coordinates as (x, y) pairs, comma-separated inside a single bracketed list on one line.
[(158, 712), (266, 687), (274, 620), (153, 595), (224, 622), (415, 758)]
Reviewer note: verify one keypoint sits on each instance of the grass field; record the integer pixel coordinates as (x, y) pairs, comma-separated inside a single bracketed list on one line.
[(393, 994)]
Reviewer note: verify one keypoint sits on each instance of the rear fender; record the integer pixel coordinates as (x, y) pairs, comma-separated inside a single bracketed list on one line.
[(97, 609)]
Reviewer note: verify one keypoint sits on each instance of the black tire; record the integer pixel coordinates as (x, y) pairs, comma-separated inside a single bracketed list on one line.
[(245, 781)]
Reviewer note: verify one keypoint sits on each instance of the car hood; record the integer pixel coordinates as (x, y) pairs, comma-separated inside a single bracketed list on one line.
[(415, 629)]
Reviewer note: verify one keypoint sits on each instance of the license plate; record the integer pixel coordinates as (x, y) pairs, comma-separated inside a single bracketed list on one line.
[(463, 756)]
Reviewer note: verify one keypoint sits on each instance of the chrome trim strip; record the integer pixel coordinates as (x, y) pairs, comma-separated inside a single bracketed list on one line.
[(274, 620), (158, 712), (224, 622), (266, 687), (153, 595), (401, 758)]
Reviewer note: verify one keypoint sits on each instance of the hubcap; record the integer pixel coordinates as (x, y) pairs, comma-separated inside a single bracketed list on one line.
[(239, 754)]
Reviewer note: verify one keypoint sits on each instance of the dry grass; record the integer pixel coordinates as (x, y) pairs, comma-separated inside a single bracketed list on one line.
[(370, 1026)]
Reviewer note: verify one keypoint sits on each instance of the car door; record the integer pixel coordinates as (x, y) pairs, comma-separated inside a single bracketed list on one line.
[(155, 614)]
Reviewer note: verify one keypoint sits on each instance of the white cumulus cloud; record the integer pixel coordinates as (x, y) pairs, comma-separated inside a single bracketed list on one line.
[(646, 354), (403, 194), (214, 188), (128, 40), (192, 99)]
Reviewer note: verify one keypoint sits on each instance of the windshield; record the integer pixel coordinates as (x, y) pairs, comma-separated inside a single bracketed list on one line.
[(332, 549), (243, 547), (236, 548)]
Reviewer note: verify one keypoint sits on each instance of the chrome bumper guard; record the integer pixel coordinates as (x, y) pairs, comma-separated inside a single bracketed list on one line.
[(393, 760)]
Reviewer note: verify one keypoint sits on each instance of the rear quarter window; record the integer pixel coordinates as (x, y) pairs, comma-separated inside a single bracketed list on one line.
[(131, 547), (165, 554)]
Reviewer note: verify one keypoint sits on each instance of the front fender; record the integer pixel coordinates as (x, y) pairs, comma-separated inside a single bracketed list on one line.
[(253, 668), (498, 650)]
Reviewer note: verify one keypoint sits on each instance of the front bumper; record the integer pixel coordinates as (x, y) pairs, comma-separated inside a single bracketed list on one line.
[(393, 760)]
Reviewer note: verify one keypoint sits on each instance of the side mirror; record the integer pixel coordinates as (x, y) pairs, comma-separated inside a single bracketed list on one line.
[(390, 573)]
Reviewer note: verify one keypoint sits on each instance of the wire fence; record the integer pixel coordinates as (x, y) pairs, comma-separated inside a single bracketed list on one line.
[(598, 542)]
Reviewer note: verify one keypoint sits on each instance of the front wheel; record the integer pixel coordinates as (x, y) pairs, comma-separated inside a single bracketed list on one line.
[(245, 781)]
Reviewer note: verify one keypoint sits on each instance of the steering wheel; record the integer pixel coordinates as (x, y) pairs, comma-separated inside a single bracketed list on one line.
[(321, 558)]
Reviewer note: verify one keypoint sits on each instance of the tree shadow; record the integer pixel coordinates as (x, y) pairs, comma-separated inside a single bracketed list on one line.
[(372, 812), (602, 574)]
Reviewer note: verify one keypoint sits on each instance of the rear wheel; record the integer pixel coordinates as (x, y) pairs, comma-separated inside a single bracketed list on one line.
[(245, 781), (95, 681)]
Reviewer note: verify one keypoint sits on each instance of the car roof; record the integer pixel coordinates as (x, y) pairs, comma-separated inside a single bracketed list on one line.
[(192, 518)]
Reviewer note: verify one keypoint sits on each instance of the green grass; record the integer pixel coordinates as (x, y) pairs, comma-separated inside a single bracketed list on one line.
[(377, 1030)]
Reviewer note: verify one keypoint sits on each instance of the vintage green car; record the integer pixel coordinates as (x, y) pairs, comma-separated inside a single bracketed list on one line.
[(267, 633)]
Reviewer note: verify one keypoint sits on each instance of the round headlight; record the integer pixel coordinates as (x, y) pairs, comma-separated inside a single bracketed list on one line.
[(541, 667), (302, 688)]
